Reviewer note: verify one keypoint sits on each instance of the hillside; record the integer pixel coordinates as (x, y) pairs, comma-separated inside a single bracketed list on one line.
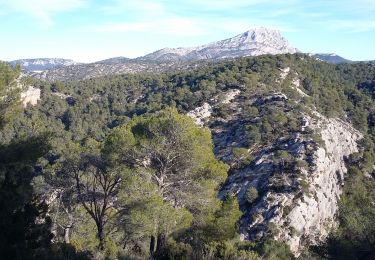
[(296, 133), (103, 68)]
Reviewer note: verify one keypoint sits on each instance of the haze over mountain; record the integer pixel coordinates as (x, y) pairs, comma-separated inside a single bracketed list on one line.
[(254, 42), (39, 64), (331, 58), (114, 60)]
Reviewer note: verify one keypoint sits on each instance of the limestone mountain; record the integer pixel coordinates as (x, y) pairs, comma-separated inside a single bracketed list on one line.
[(41, 64), (254, 42)]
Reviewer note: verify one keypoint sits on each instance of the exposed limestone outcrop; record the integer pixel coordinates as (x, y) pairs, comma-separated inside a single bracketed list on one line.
[(298, 215), (312, 216), (300, 205), (230, 95), (30, 96), (284, 73), (201, 113), (296, 86)]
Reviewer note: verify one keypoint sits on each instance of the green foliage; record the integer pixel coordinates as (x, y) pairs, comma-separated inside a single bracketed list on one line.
[(283, 156), (222, 110), (177, 250), (224, 223), (274, 250), (242, 156), (169, 164), (251, 194), (304, 186), (9, 92), (272, 229), (355, 236), (228, 250), (117, 118), (302, 164)]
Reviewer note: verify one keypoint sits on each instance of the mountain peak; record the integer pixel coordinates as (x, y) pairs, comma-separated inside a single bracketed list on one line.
[(262, 29), (256, 41)]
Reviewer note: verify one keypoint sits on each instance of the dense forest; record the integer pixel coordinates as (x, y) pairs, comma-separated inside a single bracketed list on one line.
[(112, 168)]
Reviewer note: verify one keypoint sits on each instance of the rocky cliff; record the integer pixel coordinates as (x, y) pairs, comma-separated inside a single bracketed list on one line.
[(298, 175)]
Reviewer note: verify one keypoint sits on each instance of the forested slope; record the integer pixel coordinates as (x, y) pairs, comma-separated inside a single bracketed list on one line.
[(91, 131)]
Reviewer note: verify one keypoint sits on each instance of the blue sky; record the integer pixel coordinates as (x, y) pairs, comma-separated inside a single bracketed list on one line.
[(90, 30)]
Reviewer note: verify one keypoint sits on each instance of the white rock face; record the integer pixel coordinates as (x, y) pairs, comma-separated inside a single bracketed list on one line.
[(199, 114), (30, 96), (203, 113), (295, 82), (302, 213), (313, 216), (254, 42), (230, 95), (284, 72), (296, 86)]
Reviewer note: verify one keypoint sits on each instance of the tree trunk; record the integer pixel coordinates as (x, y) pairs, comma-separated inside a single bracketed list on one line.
[(67, 230), (101, 235), (161, 244), (67, 235), (152, 245)]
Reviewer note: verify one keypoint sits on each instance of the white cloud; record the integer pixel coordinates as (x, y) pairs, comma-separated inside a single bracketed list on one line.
[(148, 17), (240, 25), (178, 26), (42, 10)]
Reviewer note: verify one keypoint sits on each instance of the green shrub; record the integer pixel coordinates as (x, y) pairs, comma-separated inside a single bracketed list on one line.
[(251, 194), (180, 251), (275, 250), (305, 186), (228, 250)]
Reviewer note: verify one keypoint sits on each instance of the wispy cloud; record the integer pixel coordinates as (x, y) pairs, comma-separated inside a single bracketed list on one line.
[(170, 18), (42, 10), (144, 7), (241, 25), (178, 26)]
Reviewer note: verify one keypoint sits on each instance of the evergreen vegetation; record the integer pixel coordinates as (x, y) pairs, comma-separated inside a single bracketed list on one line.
[(129, 177)]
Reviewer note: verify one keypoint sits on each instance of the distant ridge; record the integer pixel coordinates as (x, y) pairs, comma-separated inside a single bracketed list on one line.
[(254, 42), (331, 58), (114, 60), (41, 64)]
